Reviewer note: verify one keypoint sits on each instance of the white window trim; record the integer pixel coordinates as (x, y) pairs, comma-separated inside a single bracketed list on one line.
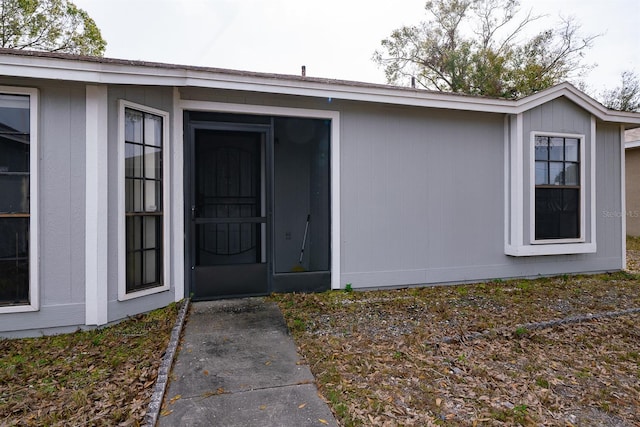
[(514, 200), (166, 208), (34, 234), (532, 189), (332, 115), (623, 192)]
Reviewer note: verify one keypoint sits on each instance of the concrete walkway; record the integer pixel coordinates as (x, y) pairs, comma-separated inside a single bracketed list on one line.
[(238, 366)]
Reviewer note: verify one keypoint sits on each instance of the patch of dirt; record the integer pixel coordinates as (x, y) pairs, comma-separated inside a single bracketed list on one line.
[(464, 355)]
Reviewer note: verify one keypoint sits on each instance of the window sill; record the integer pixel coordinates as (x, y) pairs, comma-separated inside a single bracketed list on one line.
[(143, 293), (550, 249), (23, 308)]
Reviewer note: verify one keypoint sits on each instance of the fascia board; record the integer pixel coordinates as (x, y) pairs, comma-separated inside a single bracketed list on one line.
[(580, 99), (631, 144), (354, 93), (106, 73), (131, 74)]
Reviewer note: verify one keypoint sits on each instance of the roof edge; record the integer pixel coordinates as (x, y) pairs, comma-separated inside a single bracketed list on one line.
[(98, 70)]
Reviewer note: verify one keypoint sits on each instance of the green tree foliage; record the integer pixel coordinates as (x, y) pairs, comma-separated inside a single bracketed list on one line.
[(625, 97), (49, 25), (480, 47)]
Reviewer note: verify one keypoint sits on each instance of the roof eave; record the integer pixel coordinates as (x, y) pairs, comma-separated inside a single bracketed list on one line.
[(123, 73), (110, 71)]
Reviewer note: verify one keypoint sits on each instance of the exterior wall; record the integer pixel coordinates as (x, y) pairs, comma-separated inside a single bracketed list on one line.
[(61, 208), (609, 197), (161, 99), (561, 116), (422, 198), (422, 195), (632, 176), (422, 191), (62, 180)]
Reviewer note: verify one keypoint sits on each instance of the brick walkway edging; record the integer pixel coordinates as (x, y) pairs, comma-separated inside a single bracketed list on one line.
[(153, 410)]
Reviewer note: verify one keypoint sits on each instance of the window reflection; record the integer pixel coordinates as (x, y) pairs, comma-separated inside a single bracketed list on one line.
[(14, 198)]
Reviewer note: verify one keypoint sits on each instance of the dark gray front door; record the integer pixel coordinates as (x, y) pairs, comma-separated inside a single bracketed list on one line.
[(228, 212)]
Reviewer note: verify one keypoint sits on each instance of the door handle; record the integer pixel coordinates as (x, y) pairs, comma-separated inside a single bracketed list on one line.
[(193, 212)]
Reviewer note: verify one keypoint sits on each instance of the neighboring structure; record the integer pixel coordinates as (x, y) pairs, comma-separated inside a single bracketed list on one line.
[(126, 185), (632, 173)]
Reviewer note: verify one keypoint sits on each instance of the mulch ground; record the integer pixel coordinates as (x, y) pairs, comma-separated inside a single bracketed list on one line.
[(528, 352)]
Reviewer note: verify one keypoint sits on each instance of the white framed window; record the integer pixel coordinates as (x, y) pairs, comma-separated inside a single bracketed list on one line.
[(557, 193), (143, 190), (550, 191), (19, 234)]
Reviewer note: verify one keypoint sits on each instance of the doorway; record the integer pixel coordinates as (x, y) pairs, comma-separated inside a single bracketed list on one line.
[(258, 207), (228, 211)]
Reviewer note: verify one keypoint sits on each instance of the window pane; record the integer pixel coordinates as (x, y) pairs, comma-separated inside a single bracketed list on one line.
[(150, 271), (556, 148), (541, 148), (14, 113), (133, 233), (152, 162), (132, 126), (14, 193), (134, 270), (556, 173), (557, 213), (14, 260), (14, 238), (150, 231), (152, 196), (569, 220), (572, 174), (152, 130), (14, 282), (571, 150), (542, 173), (133, 199), (14, 153), (132, 160)]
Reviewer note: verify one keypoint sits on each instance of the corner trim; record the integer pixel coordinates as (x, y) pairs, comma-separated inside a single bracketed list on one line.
[(623, 198), (177, 199), (96, 204)]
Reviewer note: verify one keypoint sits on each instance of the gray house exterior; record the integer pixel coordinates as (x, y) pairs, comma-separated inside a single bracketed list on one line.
[(125, 186)]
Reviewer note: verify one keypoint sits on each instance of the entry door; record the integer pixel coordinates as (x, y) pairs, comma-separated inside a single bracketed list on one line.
[(228, 212)]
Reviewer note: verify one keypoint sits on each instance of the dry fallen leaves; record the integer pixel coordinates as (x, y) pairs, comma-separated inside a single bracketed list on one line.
[(459, 355), (99, 377)]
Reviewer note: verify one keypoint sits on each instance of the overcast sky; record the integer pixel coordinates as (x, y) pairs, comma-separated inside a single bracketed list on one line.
[(333, 38)]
